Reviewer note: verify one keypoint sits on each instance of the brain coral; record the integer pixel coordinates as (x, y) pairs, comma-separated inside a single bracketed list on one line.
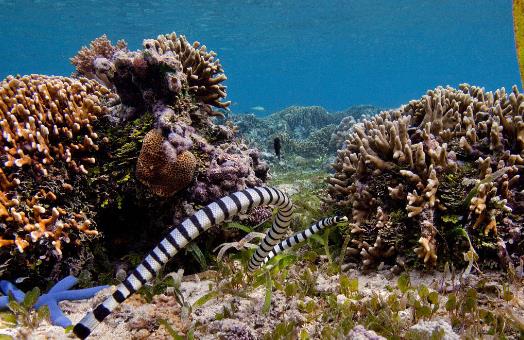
[(47, 140), (160, 168), (433, 176)]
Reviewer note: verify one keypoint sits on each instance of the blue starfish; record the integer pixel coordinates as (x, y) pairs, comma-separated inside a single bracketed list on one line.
[(59, 292)]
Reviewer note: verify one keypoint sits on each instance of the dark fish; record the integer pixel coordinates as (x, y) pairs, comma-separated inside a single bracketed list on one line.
[(277, 146)]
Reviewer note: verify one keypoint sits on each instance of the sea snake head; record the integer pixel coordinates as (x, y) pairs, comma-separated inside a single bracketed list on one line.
[(341, 221)]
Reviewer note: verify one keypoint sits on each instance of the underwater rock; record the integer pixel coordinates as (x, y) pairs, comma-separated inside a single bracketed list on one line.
[(428, 329), (359, 332), (445, 169)]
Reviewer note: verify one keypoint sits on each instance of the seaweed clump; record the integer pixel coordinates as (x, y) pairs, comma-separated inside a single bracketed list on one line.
[(436, 176)]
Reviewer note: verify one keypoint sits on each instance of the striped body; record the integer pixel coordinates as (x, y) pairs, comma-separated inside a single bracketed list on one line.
[(304, 235), (215, 213)]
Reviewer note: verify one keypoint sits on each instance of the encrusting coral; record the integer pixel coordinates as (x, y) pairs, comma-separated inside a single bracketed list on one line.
[(414, 176), (47, 139)]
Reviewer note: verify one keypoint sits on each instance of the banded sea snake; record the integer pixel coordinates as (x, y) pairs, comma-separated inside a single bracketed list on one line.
[(214, 213)]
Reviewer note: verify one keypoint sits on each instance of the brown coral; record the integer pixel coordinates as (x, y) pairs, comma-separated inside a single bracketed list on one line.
[(204, 72), (161, 169), (101, 48), (48, 118), (415, 151)]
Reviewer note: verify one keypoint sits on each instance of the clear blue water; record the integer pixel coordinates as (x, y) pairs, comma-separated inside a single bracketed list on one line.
[(280, 53)]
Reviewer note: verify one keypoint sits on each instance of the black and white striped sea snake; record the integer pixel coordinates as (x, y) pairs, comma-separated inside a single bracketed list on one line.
[(214, 213), (304, 235)]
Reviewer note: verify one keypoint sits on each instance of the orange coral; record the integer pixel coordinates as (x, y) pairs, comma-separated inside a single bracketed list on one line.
[(159, 168), (35, 110), (44, 120)]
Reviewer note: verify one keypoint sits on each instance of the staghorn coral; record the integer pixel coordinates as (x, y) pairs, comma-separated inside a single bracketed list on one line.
[(452, 159), (47, 123)]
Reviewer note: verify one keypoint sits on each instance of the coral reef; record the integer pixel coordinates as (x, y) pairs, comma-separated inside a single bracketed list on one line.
[(165, 67), (177, 83), (421, 175), (305, 133), (48, 142), (163, 139), (127, 158)]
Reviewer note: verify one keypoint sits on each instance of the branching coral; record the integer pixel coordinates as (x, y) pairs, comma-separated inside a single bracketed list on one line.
[(90, 60), (46, 122), (203, 72), (48, 118), (165, 68), (454, 152)]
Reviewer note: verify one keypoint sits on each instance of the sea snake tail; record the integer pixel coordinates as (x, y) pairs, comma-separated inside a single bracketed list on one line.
[(304, 235), (212, 214)]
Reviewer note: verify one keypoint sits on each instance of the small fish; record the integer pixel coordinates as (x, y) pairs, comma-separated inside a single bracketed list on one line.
[(258, 108), (21, 279), (277, 146)]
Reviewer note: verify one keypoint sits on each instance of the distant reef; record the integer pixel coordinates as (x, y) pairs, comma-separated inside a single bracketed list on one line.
[(306, 132)]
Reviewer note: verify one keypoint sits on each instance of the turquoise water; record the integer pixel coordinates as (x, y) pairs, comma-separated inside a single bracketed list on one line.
[(280, 53)]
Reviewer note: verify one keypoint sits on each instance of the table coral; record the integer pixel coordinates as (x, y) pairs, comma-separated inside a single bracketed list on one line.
[(452, 159)]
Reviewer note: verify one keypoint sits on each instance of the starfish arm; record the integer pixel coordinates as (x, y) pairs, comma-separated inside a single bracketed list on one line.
[(7, 287), (4, 300), (64, 284), (76, 294), (56, 315)]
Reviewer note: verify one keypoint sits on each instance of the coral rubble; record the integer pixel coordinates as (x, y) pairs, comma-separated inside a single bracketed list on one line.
[(415, 177)]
